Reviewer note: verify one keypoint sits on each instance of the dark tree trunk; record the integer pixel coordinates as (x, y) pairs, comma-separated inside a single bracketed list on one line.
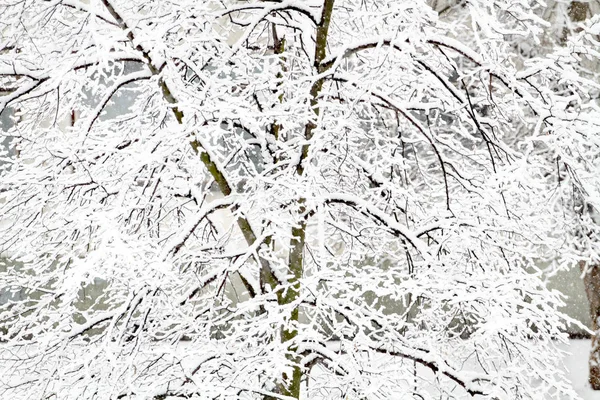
[(591, 280), (578, 12)]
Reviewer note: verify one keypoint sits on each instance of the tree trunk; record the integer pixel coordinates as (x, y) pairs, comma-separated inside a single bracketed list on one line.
[(292, 385), (578, 12), (591, 281)]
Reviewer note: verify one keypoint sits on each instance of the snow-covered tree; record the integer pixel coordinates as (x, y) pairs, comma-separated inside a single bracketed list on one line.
[(295, 199), (570, 24)]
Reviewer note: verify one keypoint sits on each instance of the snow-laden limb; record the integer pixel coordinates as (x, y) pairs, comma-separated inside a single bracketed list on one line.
[(110, 93), (16, 70), (398, 43), (85, 7), (305, 7), (179, 240), (387, 221)]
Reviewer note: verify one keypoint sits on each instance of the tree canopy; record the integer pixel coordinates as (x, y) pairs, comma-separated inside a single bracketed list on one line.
[(291, 199)]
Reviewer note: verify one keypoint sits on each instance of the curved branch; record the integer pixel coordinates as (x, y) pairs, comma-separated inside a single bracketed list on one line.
[(279, 6), (435, 367), (372, 211), (421, 129), (39, 77), (21, 92), (177, 243), (418, 355), (439, 41), (374, 42), (80, 6), (143, 75)]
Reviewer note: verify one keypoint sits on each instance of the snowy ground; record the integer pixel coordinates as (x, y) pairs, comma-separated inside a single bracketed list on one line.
[(577, 365)]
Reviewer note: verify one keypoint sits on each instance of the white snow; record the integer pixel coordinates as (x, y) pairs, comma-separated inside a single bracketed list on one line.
[(577, 365)]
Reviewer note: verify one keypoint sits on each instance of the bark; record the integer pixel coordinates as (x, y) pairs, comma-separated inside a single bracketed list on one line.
[(296, 255), (578, 12), (591, 281)]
